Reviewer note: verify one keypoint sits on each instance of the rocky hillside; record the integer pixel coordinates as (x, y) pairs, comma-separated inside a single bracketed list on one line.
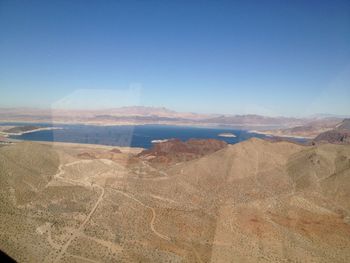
[(175, 150), (339, 135), (254, 201)]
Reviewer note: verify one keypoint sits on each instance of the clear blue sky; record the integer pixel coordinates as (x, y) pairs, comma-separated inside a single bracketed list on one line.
[(266, 57)]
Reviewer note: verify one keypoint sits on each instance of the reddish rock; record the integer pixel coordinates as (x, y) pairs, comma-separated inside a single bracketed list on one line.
[(115, 150), (175, 150), (86, 155)]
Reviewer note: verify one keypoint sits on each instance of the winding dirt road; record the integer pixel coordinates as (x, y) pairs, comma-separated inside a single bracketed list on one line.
[(76, 232), (153, 214), (81, 227)]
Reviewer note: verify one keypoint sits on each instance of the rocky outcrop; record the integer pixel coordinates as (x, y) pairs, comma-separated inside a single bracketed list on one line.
[(175, 150), (334, 136), (339, 135), (116, 150)]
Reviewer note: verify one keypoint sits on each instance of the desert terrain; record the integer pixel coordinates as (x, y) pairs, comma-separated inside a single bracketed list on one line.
[(255, 201)]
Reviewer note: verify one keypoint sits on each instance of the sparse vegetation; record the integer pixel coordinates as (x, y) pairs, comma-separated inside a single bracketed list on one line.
[(255, 200)]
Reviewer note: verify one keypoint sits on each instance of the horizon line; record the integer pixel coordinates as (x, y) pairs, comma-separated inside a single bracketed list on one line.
[(313, 115)]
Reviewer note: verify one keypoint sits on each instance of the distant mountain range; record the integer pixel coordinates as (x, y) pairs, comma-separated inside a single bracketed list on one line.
[(160, 115)]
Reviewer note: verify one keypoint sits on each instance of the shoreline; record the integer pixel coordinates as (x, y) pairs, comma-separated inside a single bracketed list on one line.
[(7, 134), (123, 149), (233, 126), (223, 134), (271, 134)]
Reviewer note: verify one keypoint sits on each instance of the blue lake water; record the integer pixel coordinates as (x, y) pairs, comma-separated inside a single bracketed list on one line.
[(134, 136)]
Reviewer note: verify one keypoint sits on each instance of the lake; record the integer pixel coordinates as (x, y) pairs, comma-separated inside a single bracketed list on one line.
[(134, 136)]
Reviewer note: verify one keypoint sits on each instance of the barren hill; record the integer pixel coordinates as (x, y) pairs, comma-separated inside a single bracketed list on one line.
[(254, 201)]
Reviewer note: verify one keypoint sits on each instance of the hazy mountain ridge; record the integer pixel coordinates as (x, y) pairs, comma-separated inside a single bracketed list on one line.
[(309, 129), (157, 115)]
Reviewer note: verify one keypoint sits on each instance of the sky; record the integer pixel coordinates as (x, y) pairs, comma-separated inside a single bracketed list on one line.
[(287, 58)]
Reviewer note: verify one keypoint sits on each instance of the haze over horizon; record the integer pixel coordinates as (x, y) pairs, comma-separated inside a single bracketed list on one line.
[(166, 109), (273, 58)]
